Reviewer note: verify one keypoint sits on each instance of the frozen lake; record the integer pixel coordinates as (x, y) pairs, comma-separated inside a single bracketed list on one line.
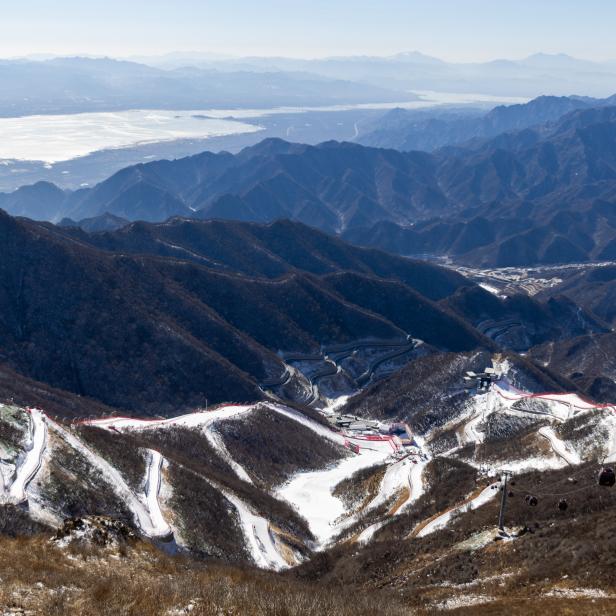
[(55, 138)]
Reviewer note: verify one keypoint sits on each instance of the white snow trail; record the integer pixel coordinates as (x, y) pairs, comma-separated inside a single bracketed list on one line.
[(202, 419), (561, 405), (311, 495), (315, 426), (255, 528), (610, 425), (215, 440), (152, 490), (257, 533), (406, 472), (470, 432), (483, 406), (559, 447), (25, 472), (206, 419), (396, 478), (408, 475), (442, 520), (190, 420), (140, 512)]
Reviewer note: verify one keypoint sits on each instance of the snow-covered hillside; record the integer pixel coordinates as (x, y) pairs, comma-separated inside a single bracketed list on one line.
[(335, 483)]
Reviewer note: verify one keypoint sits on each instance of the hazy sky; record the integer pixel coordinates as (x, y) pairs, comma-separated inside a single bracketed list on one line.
[(457, 30)]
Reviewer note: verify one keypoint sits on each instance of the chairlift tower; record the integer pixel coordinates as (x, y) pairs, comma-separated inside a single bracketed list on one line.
[(505, 476)]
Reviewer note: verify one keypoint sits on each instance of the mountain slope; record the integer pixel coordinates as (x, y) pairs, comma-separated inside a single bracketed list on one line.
[(229, 484), (408, 130), (172, 332), (538, 195), (269, 251), (73, 85)]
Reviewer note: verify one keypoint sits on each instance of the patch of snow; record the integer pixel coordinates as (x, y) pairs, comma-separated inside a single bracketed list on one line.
[(560, 448), (152, 489), (576, 593), (190, 420), (32, 460), (561, 405), (490, 288), (485, 496), (140, 512), (215, 440), (201, 419), (258, 536), (305, 421), (460, 601), (333, 404), (533, 464), (609, 423), (311, 495), (398, 476)]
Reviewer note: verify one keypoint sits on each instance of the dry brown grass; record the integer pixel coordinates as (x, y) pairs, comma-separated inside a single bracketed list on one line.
[(534, 606), (402, 496), (39, 577), (42, 578)]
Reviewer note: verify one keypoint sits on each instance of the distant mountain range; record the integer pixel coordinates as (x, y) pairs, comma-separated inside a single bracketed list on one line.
[(541, 194), (537, 74), (194, 81), (408, 130), (73, 85)]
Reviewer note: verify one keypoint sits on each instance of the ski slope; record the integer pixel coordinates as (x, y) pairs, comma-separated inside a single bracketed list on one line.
[(152, 525), (259, 539), (190, 420), (31, 463), (482, 406), (203, 420), (562, 406), (485, 496), (559, 447), (215, 440), (403, 474), (206, 419), (311, 495), (400, 475), (152, 490), (470, 433), (319, 429)]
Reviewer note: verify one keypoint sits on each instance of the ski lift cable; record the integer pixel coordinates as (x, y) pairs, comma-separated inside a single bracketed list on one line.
[(579, 472), (592, 479), (536, 492)]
